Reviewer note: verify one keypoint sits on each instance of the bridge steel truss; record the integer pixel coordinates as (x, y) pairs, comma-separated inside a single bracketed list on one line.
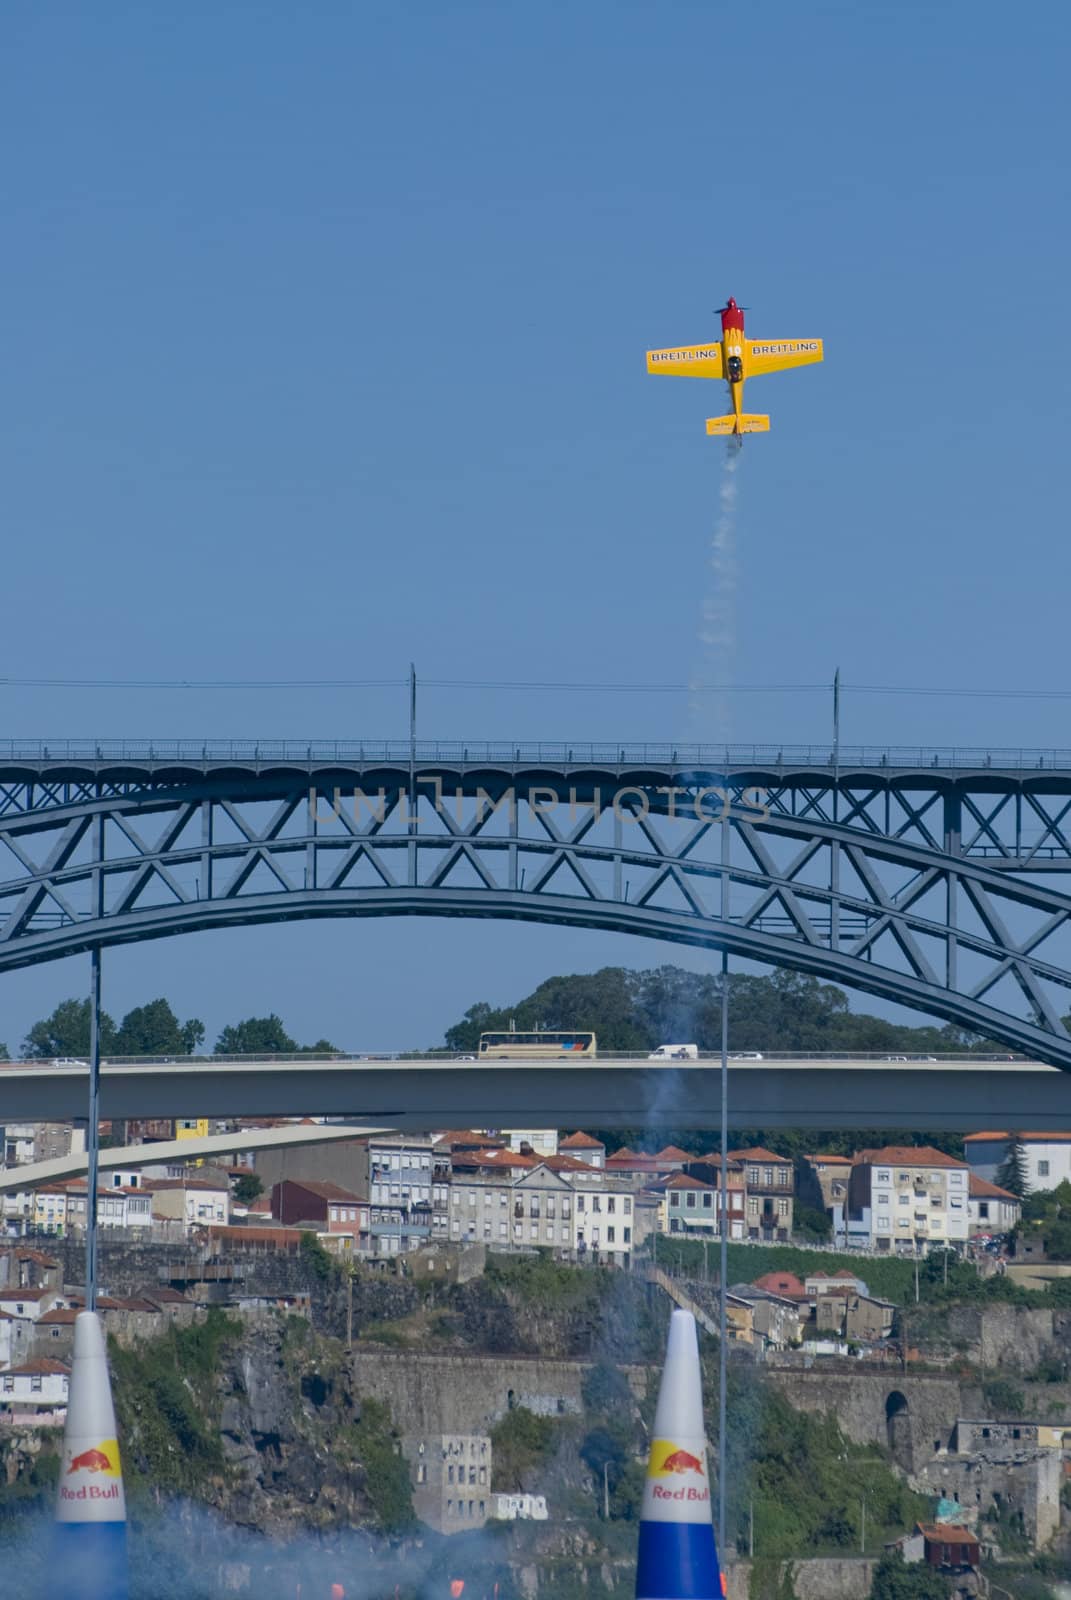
[(936, 883)]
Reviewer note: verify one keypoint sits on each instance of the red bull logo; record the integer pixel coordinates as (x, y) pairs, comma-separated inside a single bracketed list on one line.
[(667, 1457), (103, 1458), (681, 1461), (686, 1472)]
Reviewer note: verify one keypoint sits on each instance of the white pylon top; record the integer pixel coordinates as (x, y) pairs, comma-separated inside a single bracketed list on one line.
[(680, 1399), (677, 1487)]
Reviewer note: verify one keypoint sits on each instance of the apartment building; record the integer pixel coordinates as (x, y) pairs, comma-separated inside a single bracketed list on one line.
[(397, 1179), (190, 1202), (908, 1200), (691, 1204), (608, 1221), (582, 1147), (769, 1181), (1047, 1156)]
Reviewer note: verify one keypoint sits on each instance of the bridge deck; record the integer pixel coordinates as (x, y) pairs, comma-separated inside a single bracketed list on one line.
[(422, 1094)]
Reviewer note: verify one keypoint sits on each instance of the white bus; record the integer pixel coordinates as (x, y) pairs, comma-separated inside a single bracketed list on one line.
[(522, 1046)]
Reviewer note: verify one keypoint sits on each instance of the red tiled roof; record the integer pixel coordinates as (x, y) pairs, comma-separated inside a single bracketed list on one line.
[(840, 1161), (503, 1158), (24, 1294), (1033, 1136), (981, 1189), (620, 1155), (758, 1153), (38, 1364), (566, 1164), (944, 1533), (672, 1152), (60, 1316), (907, 1155), (784, 1283), (581, 1141)]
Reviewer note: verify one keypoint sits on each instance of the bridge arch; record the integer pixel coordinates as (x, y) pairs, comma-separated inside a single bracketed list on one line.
[(862, 879)]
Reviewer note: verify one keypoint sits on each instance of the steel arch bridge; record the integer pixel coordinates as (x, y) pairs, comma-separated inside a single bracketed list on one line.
[(934, 878)]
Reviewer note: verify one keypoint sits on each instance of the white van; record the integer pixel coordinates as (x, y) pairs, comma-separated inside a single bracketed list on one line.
[(675, 1052)]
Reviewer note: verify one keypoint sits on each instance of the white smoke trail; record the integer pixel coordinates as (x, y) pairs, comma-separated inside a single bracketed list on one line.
[(717, 632)]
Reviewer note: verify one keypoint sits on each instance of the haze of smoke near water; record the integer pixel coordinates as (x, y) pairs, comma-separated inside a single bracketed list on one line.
[(717, 633), (188, 1553)]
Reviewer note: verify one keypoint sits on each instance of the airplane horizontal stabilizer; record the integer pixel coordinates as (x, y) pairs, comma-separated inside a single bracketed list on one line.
[(747, 423)]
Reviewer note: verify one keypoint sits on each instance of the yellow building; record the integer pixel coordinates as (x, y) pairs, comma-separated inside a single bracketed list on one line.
[(191, 1127)]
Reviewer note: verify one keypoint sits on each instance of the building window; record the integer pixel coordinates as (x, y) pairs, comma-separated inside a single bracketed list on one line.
[(422, 1472), (1043, 1169), (689, 1200)]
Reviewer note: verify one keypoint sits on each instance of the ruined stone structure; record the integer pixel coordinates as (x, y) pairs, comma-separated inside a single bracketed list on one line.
[(431, 1395), (1020, 1480), (912, 1416), (451, 1476)]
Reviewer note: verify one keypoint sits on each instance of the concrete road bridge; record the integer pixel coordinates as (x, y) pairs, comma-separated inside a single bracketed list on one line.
[(935, 878), (426, 1094)]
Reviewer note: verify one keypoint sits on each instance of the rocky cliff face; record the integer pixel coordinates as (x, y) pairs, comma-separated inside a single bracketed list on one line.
[(262, 1425)]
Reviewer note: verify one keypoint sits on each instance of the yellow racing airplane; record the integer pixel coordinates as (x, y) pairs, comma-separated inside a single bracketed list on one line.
[(735, 359)]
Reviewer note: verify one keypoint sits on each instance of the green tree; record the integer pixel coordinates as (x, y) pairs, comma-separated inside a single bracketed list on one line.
[(66, 1033), (256, 1036), (1003, 1398), (247, 1188), (1012, 1172), (315, 1256), (896, 1579), (811, 1225), (520, 1444), (638, 1010), (322, 1047), (154, 1030)]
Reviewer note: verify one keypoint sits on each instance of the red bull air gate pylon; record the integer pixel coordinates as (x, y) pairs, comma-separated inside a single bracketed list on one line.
[(90, 1544), (678, 1558)]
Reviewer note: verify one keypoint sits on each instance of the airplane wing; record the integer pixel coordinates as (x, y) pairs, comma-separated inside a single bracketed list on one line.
[(775, 355), (688, 361)]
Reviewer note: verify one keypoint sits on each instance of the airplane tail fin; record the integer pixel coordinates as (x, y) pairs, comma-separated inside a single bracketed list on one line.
[(749, 422)]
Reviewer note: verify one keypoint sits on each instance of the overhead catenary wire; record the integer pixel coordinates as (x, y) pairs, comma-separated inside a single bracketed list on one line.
[(542, 685)]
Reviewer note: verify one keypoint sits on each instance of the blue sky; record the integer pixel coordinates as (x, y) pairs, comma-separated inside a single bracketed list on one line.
[(323, 342)]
